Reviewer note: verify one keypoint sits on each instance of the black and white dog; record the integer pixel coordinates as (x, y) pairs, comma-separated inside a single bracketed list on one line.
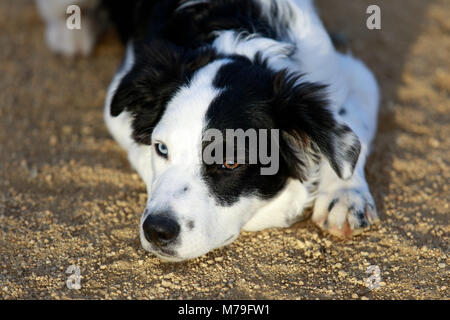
[(194, 65)]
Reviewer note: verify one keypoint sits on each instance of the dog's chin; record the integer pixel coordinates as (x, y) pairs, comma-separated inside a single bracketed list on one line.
[(165, 256)]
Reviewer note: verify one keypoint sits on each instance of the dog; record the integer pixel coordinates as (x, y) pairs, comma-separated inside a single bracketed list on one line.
[(196, 65)]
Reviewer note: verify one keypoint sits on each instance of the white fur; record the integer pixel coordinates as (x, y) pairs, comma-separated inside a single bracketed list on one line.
[(120, 126), (63, 40), (290, 203), (361, 107)]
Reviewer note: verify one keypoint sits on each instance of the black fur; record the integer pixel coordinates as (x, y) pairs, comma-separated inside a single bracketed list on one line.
[(192, 26), (253, 96), (244, 103)]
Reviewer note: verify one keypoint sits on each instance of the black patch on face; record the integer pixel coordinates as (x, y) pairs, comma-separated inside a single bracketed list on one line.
[(342, 112), (243, 104), (253, 96)]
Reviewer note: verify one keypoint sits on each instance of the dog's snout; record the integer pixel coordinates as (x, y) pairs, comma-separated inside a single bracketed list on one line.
[(160, 229)]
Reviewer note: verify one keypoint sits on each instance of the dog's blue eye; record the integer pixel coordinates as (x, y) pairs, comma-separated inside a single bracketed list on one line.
[(161, 149)]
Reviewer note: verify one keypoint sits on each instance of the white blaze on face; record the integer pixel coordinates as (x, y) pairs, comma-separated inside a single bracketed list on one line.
[(181, 126), (177, 183)]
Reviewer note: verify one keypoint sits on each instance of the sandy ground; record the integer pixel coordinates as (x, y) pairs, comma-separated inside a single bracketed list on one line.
[(68, 195)]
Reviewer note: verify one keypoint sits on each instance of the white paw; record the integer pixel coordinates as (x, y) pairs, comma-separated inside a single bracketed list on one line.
[(68, 42), (345, 212)]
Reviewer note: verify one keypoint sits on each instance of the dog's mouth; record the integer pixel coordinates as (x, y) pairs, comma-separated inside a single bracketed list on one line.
[(165, 254), (229, 240), (161, 253), (167, 257)]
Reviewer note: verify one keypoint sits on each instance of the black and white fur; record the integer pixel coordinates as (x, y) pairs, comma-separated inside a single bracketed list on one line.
[(191, 65)]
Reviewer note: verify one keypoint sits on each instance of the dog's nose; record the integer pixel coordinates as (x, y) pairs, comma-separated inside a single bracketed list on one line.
[(160, 229)]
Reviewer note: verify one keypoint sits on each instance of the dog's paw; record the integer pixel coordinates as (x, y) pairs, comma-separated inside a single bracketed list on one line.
[(345, 212), (68, 42)]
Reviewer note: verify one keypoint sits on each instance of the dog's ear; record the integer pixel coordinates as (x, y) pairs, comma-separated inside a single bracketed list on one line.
[(158, 71), (308, 127), (153, 74)]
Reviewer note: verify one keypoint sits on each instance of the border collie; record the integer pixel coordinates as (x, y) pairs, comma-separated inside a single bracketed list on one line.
[(195, 65)]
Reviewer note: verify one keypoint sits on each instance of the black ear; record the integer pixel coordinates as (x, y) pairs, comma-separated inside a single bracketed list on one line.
[(309, 127), (151, 79), (158, 71)]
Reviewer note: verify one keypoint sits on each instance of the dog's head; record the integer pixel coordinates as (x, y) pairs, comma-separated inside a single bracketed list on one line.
[(177, 98)]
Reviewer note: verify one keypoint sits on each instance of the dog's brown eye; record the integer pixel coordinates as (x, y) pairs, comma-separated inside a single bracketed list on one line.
[(230, 165)]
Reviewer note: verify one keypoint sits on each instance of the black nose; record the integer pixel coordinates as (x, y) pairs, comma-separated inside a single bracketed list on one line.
[(160, 229)]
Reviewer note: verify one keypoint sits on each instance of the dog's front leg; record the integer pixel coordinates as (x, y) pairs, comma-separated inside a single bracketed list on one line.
[(346, 207)]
